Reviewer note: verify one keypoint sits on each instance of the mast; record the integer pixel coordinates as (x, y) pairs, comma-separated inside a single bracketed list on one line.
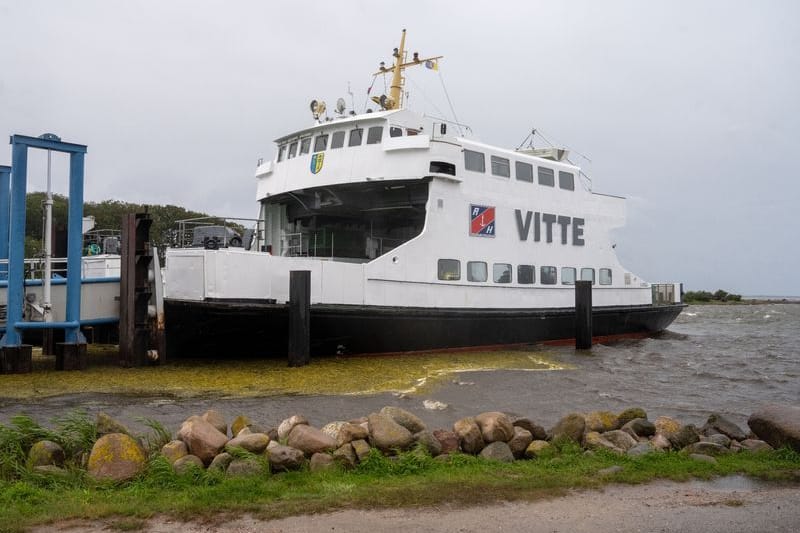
[(395, 98), (396, 90)]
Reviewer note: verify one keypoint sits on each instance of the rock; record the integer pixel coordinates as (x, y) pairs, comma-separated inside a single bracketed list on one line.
[(660, 442), (105, 425), (631, 413), (520, 442), (596, 441), (736, 447), (537, 431), (719, 438), (495, 427), (285, 427), (186, 463), (249, 466), (706, 448), (447, 439), (116, 457), (239, 423), (221, 462), (408, 420), (685, 436), (601, 421), (755, 445), (777, 425), (174, 450), (271, 432), (310, 440), (470, 438), (387, 435), (537, 448), (361, 448), (215, 418), (642, 448), (428, 442), (45, 452), (718, 423), (639, 427), (322, 461), (667, 426), (571, 426), (346, 455), (620, 439), (344, 432), (610, 471), (283, 458), (202, 438), (703, 458), (497, 451), (254, 442)]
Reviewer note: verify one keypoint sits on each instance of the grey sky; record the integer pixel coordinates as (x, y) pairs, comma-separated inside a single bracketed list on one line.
[(689, 109)]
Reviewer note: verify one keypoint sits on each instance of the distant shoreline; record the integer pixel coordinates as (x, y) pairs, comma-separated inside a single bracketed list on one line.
[(748, 301)]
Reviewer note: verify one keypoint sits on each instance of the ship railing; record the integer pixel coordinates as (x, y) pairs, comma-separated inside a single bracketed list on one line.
[(218, 232), (441, 126), (666, 293), (34, 267)]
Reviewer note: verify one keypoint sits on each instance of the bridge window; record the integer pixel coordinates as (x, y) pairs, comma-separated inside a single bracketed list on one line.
[(374, 134), (524, 171), (525, 274), (548, 275), (605, 276), (292, 150), (501, 273), (567, 276), (477, 271), (356, 137), (337, 140), (394, 131), (409, 131), (566, 180), (500, 167), (587, 274), (281, 153), (305, 145), (441, 167), (474, 161), (547, 177), (320, 143), (449, 269)]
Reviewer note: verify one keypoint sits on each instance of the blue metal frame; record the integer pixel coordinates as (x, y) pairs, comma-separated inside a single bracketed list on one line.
[(5, 203), (16, 238)]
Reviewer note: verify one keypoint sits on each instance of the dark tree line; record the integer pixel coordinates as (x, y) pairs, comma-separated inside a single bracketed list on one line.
[(705, 296)]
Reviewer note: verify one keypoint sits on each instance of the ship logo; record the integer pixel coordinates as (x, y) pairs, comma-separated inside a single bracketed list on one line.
[(316, 162), (481, 220)]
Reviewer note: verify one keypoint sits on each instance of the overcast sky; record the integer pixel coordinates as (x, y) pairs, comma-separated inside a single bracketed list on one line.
[(689, 109)]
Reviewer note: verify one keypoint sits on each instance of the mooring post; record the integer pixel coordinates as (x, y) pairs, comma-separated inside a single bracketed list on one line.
[(299, 317), (583, 315)]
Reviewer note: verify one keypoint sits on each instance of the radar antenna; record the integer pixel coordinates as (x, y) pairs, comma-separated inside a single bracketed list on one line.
[(395, 98)]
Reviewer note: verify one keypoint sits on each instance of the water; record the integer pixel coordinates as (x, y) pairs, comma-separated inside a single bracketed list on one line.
[(726, 359)]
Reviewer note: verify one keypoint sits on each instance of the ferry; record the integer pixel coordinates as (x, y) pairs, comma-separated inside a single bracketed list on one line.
[(417, 237)]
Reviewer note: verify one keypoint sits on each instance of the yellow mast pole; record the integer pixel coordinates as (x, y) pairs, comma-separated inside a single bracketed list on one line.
[(396, 92)]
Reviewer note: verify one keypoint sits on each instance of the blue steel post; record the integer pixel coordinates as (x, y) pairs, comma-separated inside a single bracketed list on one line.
[(5, 202), (74, 247), (16, 243)]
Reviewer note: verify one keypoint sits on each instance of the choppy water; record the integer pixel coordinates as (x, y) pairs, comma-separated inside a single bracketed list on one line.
[(728, 359)]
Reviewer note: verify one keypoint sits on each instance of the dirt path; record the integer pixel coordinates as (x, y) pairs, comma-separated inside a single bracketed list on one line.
[(729, 505)]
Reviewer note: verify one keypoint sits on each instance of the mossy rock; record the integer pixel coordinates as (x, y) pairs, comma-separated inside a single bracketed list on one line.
[(116, 457), (44, 453), (631, 413)]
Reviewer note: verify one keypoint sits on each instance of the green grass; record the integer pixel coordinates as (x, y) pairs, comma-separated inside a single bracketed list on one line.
[(409, 480)]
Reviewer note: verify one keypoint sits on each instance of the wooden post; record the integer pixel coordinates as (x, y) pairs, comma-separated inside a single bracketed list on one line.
[(299, 317), (583, 315)]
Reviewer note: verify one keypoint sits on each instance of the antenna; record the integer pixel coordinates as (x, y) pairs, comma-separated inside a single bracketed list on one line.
[(340, 105)]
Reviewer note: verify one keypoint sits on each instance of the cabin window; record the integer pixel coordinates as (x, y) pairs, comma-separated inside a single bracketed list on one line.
[(547, 275), (356, 136), (477, 271), (394, 131), (337, 140), (547, 177), (567, 276), (587, 274), (320, 143), (525, 274), (500, 167), (566, 180), (305, 145), (281, 153), (474, 161), (524, 171), (292, 150), (409, 131), (501, 273), (449, 269), (441, 167), (374, 134), (605, 276)]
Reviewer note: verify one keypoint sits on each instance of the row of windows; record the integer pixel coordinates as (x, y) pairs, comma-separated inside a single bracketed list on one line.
[(501, 166), (337, 138), (478, 271)]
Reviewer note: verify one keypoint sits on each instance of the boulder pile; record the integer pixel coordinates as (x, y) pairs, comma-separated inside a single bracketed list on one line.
[(244, 447)]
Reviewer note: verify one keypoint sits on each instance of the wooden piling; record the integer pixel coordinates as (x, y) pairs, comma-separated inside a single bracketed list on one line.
[(299, 317), (583, 315)]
